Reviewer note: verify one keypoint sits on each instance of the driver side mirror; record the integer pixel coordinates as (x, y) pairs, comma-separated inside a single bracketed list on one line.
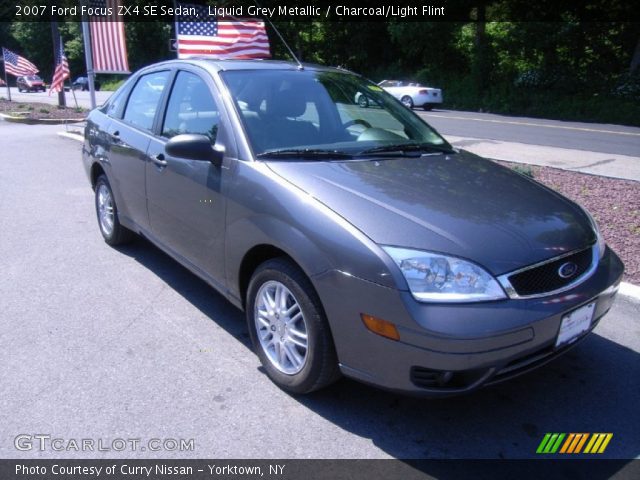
[(195, 147)]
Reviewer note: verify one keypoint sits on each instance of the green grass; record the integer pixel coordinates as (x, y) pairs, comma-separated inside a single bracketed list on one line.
[(524, 170), (111, 85)]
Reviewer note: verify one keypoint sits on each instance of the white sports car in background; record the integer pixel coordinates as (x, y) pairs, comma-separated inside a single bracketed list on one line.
[(413, 94)]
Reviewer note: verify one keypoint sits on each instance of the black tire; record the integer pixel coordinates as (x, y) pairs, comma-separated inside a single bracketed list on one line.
[(117, 235), (427, 107), (363, 101), (320, 367), (407, 101)]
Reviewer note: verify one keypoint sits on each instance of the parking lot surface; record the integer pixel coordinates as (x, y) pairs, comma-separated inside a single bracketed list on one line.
[(103, 343)]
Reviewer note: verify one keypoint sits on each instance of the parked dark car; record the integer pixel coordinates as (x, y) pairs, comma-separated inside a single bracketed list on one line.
[(82, 83), (357, 240), (30, 83)]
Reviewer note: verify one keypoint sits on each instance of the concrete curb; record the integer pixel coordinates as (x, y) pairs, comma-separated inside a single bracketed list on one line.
[(629, 290), (39, 121), (614, 166)]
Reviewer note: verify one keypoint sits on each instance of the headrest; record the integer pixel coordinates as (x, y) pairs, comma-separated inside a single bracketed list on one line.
[(289, 102)]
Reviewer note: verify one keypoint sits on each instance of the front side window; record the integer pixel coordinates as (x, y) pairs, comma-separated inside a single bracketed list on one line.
[(191, 108), (322, 111), (144, 99)]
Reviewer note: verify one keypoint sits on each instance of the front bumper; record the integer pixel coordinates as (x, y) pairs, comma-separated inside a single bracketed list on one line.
[(449, 349)]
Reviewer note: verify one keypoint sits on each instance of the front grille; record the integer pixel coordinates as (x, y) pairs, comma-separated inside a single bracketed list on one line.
[(546, 278)]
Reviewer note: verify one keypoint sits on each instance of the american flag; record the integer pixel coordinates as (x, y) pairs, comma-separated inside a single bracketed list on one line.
[(62, 70), (107, 39), (17, 65), (204, 36)]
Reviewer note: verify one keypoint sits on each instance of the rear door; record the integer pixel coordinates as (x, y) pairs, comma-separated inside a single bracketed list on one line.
[(185, 197), (129, 138)]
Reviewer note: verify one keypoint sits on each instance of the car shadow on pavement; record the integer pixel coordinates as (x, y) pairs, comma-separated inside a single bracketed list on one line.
[(593, 388), (200, 294)]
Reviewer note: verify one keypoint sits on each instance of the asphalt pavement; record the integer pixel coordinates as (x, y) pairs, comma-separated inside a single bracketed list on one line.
[(104, 343), (599, 149), (82, 98), (591, 137)]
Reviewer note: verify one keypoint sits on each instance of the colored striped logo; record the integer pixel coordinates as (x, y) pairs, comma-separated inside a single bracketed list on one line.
[(574, 443)]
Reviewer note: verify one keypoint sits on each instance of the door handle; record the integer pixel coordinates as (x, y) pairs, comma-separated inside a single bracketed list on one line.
[(115, 135), (159, 160)]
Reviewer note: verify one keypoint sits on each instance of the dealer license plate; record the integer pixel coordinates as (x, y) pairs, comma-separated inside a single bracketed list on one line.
[(575, 323)]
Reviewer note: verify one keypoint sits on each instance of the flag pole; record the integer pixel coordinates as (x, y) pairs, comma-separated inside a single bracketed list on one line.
[(6, 80), (300, 66), (73, 92), (57, 40), (88, 56)]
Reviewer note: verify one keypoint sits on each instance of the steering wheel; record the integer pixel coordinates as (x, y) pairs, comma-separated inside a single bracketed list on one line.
[(357, 121)]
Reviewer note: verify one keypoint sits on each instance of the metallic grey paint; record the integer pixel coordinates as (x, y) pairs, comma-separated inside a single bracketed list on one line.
[(332, 217)]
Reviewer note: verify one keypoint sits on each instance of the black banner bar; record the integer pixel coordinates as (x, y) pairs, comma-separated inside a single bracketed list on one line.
[(119, 469)]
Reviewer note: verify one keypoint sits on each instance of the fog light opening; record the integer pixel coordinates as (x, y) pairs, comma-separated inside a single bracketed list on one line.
[(380, 327)]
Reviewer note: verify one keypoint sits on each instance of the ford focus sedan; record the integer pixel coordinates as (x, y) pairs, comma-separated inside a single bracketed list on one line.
[(357, 240)]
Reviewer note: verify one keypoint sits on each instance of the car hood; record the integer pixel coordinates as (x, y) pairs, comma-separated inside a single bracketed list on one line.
[(459, 204)]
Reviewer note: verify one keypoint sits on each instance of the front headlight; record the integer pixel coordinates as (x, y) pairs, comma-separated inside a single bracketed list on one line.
[(433, 277), (599, 238)]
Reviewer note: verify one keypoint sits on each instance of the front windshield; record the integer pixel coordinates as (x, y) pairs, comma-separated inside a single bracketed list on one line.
[(321, 111)]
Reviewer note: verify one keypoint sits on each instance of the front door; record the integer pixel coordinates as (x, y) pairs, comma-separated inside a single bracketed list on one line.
[(184, 197)]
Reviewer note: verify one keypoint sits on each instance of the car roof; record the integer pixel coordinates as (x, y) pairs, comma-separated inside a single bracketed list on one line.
[(226, 65)]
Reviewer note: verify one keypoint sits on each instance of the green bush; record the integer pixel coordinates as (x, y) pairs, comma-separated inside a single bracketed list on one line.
[(623, 108)]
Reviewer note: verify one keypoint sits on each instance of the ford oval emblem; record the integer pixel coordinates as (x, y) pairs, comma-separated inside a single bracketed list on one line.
[(567, 270)]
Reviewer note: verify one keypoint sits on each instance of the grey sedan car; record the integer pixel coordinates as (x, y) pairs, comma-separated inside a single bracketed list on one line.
[(357, 241)]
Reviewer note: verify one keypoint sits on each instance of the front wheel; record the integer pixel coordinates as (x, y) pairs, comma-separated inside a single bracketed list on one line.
[(288, 328), (110, 228), (427, 107)]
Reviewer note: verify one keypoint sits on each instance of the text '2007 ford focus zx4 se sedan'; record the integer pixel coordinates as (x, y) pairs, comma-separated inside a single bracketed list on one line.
[(357, 241)]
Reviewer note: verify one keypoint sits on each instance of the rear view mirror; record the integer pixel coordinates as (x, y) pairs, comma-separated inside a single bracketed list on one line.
[(194, 147)]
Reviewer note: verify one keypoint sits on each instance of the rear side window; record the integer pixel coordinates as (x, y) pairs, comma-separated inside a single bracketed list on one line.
[(191, 108), (144, 99), (115, 102)]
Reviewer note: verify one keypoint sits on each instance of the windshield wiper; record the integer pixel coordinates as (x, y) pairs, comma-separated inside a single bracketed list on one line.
[(305, 153), (403, 148)]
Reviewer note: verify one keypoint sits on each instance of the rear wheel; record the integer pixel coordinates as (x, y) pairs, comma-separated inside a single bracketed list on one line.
[(288, 328), (112, 231), (427, 107), (407, 101)]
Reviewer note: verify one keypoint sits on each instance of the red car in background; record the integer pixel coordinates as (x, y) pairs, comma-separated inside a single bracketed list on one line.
[(30, 83)]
